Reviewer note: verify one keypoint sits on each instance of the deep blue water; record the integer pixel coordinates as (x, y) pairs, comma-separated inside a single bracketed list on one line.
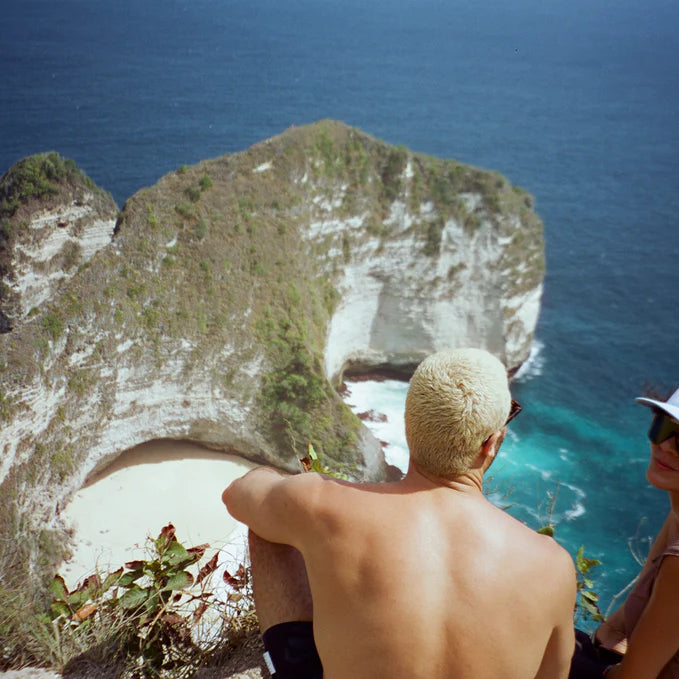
[(575, 100)]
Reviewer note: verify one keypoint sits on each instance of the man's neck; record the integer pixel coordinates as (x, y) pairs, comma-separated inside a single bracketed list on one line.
[(467, 482)]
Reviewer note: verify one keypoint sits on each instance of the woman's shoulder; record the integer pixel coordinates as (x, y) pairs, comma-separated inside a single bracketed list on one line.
[(667, 536), (670, 534)]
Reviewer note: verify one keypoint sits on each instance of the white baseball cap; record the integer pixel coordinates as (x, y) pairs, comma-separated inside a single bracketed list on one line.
[(671, 406)]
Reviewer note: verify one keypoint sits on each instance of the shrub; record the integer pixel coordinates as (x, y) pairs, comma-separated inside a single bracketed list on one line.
[(201, 229), (201, 320), (393, 170), (193, 193), (37, 176), (297, 386), (432, 245), (135, 290), (185, 210), (52, 324), (150, 317), (81, 381), (151, 218), (332, 163), (245, 205), (71, 253), (154, 615), (6, 407)]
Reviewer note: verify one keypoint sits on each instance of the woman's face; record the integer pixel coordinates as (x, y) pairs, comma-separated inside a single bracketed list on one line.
[(663, 467)]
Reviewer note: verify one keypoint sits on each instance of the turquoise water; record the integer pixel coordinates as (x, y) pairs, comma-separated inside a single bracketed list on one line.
[(574, 100)]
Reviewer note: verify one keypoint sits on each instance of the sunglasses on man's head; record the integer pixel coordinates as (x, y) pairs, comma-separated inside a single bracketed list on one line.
[(514, 410), (662, 428)]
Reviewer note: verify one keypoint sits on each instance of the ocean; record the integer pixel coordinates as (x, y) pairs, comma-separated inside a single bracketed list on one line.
[(576, 101)]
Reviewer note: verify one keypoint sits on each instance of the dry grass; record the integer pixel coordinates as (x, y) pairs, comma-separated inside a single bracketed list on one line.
[(209, 622)]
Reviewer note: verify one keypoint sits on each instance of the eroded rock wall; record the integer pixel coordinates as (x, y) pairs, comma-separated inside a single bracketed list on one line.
[(53, 220)]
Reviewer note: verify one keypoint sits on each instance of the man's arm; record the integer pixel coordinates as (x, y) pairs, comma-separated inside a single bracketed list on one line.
[(274, 505), (556, 662)]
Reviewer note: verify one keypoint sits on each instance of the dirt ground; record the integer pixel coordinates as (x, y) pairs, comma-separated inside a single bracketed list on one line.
[(247, 663)]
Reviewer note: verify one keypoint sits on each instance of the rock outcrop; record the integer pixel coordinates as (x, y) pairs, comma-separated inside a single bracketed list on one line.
[(53, 219), (232, 296)]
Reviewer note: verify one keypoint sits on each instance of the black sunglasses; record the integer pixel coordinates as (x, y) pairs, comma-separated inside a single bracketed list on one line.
[(514, 410), (662, 428)]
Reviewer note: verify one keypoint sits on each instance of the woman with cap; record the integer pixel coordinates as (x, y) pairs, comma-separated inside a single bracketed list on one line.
[(640, 639)]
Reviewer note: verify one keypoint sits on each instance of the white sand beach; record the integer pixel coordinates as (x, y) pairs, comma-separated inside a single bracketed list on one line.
[(144, 489)]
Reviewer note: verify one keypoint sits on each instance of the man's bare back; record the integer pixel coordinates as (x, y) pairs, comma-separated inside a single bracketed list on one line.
[(419, 579), (444, 584)]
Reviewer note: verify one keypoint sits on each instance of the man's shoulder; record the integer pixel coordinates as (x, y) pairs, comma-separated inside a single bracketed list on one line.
[(554, 563), (544, 549), (317, 491)]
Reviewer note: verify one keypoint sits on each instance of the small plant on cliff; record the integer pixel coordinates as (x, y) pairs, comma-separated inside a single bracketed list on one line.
[(193, 192), (432, 246), (394, 167), (52, 325), (312, 463), (205, 182), (588, 599), (153, 616)]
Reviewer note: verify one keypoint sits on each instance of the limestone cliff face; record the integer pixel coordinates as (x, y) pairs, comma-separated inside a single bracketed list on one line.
[(232, 296), (53, 222), (431, 278)]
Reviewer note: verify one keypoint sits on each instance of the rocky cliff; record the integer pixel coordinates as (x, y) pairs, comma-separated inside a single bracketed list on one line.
[(53, 219), (230, 298)]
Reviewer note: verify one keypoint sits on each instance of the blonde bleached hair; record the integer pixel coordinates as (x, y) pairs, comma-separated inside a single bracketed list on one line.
[(456, 400)]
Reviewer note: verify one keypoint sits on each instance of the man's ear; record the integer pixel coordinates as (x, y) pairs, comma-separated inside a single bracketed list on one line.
[(491, 446)]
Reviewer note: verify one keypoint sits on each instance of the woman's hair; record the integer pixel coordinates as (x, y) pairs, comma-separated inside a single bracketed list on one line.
[(456, 400), (657, 392)]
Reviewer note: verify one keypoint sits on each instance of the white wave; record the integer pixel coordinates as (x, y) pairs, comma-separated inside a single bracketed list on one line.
[(577, 510), (577, 491), (577, 507), (544, 474), (385, 401), (398, 456), (534, 365)]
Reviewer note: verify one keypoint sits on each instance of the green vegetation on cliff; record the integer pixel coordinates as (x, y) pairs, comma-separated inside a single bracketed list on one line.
[(38, 184), (39, 176)]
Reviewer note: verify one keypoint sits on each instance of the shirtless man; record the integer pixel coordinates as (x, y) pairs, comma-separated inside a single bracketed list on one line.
[(418, 579)]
